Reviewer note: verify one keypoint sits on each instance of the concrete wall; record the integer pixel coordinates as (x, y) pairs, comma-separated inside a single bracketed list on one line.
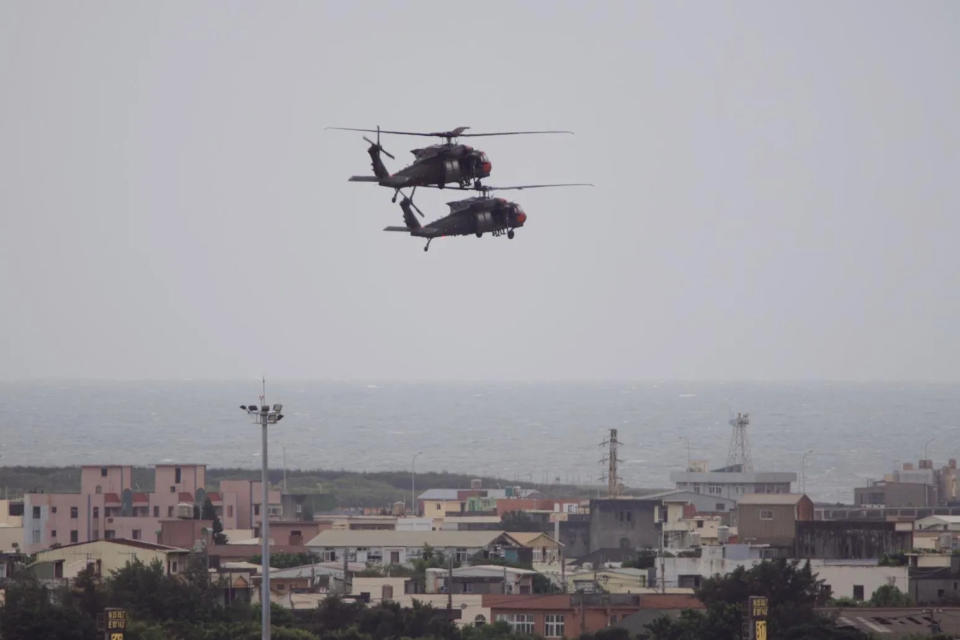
[(849, 540), (777, 531), (623, 523), (844, 576)]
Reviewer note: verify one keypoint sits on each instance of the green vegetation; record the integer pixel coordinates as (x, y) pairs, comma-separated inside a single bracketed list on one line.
[(187, 607), (329, 489), (793, 592), (890, 596)]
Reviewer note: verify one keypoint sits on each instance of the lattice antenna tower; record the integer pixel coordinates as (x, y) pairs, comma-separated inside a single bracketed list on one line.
[(614, 482), (739, 454)]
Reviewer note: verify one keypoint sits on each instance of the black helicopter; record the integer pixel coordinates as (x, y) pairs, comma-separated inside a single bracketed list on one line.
[(476, 215), (436, 165)]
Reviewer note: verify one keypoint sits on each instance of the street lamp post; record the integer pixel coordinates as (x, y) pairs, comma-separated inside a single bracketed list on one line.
[(264, 415), (413, 484), (803, 470)]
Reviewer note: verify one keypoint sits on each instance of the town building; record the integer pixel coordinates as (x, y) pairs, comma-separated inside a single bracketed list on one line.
[(771, 518), (731, 482), (104, 557), (851, 540), (922, 485), (624, 523), (480, 579), (570, 616), (403, 547), (108, 506)]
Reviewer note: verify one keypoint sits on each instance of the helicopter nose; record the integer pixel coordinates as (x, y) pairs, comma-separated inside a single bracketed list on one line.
[(486, 166), (521, 218)]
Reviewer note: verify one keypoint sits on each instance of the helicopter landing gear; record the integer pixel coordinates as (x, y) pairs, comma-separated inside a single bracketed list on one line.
[(479, 234), (510, 234), (427, 248), (394, 198), (476, 184)]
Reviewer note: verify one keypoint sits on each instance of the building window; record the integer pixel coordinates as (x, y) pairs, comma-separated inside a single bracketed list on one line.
[(613, 621), (229, 510), (858, 592), (169, 512), (699, 524), (173, 567), (461, 555), (74, 512), (36, 513), (156, 511), (98, 490), (719, 506), (74, 535), (553, 625), (53, 534), (766, 514), (109, 534), (438, 506), (36, 536), (256, 509), (173, 489), (52, 510), (103, 472), (96, 512), (136, 534), (176, 475), (519, 622)]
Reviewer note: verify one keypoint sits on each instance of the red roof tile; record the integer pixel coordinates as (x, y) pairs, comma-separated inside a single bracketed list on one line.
[(214, 496), (111, 498), (186, 496), (140, 497)]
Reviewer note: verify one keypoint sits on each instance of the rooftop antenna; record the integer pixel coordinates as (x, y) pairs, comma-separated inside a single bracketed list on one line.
[(739, 454), (613, 480)]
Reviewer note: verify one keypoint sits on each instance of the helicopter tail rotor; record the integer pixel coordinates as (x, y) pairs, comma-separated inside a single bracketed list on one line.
[(379, 146)]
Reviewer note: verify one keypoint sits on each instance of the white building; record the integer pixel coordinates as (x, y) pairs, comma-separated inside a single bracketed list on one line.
[(403, 547)]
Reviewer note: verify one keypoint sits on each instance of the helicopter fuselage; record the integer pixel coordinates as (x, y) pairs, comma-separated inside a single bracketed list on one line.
[(439, 165)]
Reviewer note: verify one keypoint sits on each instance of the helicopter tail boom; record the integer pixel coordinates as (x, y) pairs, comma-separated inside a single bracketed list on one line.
[(364, 179)]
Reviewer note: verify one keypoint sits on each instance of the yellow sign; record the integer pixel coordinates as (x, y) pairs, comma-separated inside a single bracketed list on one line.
[(116, 619), (760, 630), (758, 607), (117, 635)]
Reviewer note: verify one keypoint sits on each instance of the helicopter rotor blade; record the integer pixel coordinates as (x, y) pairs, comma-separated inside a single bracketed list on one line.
[(536, 186), (519, 187), (378, 146), (511, 133), (454, 133)]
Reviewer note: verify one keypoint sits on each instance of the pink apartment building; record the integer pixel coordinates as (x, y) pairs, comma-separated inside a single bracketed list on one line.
[(99, 510)]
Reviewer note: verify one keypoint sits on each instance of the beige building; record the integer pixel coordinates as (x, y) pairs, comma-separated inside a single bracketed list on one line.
[(764, 518), (545, 549), (105, 556)]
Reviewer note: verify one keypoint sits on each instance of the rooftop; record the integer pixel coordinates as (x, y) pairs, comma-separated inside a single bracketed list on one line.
[(771, 498), (391, 538)]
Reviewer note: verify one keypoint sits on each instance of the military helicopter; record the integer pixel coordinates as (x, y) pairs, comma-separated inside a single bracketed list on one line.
[(436, 165), (476, 215)]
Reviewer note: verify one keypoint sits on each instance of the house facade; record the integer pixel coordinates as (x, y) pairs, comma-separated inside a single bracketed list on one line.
[(403, 547)]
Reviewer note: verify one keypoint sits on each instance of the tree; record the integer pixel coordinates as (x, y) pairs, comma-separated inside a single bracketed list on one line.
[(792, 591), (209, 512), (889, 595)]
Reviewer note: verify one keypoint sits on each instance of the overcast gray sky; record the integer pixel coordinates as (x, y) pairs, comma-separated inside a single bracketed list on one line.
[(776, 190)]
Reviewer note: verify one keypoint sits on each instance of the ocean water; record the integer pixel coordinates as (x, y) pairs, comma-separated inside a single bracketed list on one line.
[(527, 432)]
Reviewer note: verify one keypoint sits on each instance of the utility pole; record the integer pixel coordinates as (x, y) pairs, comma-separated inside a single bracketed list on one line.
[(803, 470), (413, 484), (613, 480), (264, 415)]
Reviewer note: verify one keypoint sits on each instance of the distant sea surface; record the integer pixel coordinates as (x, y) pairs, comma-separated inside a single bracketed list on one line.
[(524, 432)]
